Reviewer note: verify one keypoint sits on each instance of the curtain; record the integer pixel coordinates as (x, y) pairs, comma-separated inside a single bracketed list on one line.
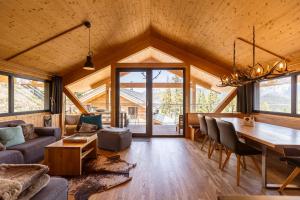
[(245, 98), (56, 95)]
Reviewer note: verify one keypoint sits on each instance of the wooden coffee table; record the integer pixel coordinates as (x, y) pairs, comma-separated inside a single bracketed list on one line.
[(66, 159)]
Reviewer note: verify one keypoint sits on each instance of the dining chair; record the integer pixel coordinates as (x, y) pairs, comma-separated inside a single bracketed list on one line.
[(203, 129), (214, 138), (232, 144), (292, 156)]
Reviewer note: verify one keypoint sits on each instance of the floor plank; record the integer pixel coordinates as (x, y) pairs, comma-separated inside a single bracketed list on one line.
[(176, 168)]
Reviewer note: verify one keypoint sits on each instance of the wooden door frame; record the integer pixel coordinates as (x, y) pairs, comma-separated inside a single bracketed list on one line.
[(149, 67)]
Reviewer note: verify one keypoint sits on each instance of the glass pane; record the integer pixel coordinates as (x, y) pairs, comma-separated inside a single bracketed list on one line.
[(29, 95), (274, 95), (3, 94), (167, 102), (206, 100), (133, 100), (298, 94), (70, 108)]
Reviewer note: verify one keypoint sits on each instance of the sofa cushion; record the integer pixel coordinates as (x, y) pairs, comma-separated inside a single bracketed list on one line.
[(28, 131), (57, 189), (33, 150), (87, 128), (11, 157), (10, 136), (92, 119)]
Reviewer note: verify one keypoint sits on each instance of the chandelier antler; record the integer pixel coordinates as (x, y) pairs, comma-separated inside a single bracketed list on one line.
[(257, 71)]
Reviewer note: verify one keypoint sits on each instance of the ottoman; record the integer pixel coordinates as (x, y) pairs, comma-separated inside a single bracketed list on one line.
[(114, 139)]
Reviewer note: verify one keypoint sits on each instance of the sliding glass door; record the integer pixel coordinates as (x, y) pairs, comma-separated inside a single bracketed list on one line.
[(150, 102), (167, 102), (132, 100)]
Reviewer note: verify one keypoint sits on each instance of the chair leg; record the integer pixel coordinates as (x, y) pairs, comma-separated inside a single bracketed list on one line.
[(228, 154), (204, 141), (209, 147), (290, 178), (244, 163), (220, 155), (256, 164), (238, 169), (212, 149)]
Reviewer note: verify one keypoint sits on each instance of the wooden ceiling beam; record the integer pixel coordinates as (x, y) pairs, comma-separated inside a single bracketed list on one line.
[(200, 82), (75, 101), (188, 57), (138, 45), (150, 65), (222, 105), (155, 85), (100, 83)]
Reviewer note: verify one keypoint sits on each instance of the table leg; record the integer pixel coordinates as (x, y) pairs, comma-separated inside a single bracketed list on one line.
[(264, 166), (264, 174)]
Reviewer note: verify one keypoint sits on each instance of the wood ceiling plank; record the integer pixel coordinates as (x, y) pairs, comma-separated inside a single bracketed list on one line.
[(204, 28), (100, 62), (188, 57)]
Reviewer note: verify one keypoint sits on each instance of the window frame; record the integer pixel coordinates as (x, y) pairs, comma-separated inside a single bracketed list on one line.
[(294, 95), (11, 94)]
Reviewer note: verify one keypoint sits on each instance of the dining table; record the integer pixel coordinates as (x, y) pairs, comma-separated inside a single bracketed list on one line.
[(268, 136)]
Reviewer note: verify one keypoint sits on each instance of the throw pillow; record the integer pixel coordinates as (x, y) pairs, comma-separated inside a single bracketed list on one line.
[(10, 136), (28, 131), (92, 119), (2, 147), (87, 128)]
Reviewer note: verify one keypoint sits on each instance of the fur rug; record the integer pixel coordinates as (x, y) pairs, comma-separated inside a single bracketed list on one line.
[(21, 181), (100, 175)]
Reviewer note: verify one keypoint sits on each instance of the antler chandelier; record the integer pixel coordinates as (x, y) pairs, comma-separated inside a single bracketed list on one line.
[(256, 72)]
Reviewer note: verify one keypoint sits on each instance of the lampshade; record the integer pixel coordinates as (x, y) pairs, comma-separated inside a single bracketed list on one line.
[(88, 65)]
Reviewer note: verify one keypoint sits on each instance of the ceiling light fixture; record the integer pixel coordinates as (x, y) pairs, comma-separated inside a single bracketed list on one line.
[(257, 71), (89, 65)]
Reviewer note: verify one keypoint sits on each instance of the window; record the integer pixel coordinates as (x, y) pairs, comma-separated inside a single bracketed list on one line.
[(274, 95), (4, 96), (207, 100), (23, 95), (29, 95)]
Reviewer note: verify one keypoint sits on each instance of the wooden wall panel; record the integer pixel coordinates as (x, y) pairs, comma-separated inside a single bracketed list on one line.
[(36, 119), (286, 121)]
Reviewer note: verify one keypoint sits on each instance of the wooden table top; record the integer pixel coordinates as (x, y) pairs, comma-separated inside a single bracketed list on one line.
[(267, 134), (61, 144)]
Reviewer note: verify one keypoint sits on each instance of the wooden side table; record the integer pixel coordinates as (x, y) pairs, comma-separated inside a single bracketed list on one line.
[(66, 159)]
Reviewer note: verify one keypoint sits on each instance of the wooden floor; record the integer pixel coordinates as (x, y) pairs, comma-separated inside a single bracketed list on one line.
[(169, 130), (176, 168)]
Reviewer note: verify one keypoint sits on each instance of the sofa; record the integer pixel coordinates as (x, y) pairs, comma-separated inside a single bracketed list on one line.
[(32, 151)]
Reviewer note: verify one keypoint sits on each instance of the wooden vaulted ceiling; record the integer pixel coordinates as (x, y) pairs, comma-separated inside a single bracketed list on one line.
[(204, 28)]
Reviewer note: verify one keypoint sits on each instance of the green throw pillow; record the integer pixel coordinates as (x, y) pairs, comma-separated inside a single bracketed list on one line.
[(10, 136), (92, 119)]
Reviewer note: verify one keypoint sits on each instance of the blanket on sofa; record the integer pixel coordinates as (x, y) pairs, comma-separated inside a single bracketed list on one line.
[(21, 181)]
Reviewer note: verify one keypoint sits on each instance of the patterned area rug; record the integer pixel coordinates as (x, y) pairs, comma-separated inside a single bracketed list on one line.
[(100, 175)]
